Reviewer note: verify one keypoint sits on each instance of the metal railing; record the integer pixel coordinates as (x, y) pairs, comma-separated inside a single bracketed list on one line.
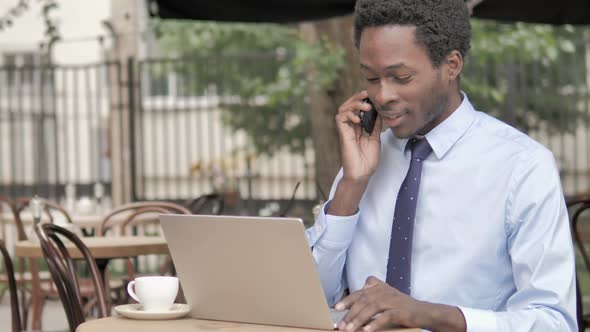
[(160, 119), (54, 128), (161, 125), (185, 146)]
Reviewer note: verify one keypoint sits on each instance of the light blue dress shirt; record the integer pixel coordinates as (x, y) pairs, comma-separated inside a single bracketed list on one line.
[(491, 234)]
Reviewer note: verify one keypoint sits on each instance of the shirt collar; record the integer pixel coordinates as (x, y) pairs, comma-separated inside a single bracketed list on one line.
[(442, 137)]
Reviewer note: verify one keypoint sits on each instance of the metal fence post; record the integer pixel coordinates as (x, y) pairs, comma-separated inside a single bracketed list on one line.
[(132, 84)]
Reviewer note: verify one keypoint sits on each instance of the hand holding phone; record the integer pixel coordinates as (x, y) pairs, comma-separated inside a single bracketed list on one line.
[(360, 152), (368, 118)]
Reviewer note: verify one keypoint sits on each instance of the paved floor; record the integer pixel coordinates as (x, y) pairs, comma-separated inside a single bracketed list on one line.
[(54, 318)]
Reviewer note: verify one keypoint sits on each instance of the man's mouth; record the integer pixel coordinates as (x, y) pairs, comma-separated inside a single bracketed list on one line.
[(394, 119), (393, 116)]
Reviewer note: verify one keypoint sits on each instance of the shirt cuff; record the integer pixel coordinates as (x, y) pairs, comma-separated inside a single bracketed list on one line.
[(335, 231), (478, 320), (339, 229)]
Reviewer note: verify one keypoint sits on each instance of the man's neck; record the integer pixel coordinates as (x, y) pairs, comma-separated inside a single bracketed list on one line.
[(455, 100)]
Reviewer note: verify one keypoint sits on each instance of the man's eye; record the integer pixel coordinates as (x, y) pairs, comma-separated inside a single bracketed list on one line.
[(372, 79), (404, 79)]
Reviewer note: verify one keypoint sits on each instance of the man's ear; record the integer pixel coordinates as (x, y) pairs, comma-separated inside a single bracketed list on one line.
[(454, 63)]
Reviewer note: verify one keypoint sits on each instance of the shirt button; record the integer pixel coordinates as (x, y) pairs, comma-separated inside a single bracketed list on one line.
[(319, 228)]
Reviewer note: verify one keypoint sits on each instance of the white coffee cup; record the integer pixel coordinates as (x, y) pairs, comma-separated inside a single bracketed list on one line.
[(154, 293)]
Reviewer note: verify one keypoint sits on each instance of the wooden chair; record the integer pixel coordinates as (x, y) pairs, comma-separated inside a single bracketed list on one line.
[(7, 204), (139, 213), (206, 204), (127, 214), (64, 276), (12, 289), (25, 276), (51, 212), (577, 206)]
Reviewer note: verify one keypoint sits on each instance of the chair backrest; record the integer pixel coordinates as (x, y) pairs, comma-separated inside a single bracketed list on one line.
[(576, 207), (574, 200), (206, 204), (577, 230), (7, 203), (50, 209), (63, 272), (14, 308), (131, 212)]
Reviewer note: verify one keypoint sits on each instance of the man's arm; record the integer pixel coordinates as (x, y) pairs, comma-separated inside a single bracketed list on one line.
[(333, 231), (347, 197), (540, 247), (330, 238), (360, 154)]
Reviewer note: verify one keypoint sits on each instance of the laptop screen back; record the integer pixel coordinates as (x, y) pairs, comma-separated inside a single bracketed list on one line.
[(247, 269)]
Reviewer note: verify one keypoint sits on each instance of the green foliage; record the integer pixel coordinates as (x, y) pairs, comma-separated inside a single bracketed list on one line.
[(262, 71), (528, 74)]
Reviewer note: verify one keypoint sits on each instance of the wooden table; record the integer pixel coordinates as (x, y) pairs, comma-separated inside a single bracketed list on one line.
[(102, 248), (87, 222), (116, 324)]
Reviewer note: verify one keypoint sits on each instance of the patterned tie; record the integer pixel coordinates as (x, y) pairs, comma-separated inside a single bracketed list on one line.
[(402, 231)]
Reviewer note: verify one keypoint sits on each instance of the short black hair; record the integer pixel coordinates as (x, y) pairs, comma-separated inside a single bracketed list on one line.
[(441, 25)]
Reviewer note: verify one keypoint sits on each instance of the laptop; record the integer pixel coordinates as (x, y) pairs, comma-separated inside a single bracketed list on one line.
[(248, 269)]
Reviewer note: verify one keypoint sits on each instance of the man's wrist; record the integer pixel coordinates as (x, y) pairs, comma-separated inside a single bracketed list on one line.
[(347, 197), (442, 318)]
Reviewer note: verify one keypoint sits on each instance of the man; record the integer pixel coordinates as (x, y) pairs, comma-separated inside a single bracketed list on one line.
[(451, 220)]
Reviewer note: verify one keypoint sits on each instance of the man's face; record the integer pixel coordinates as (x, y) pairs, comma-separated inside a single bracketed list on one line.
[(410, 94)]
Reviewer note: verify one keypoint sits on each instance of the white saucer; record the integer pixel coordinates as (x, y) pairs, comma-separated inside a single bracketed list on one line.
[(135, 311)]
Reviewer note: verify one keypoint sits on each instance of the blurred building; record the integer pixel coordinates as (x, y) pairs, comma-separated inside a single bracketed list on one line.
[(100, 108)]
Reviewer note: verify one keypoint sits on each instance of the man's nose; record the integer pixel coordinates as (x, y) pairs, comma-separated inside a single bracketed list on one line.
[(386, 94)]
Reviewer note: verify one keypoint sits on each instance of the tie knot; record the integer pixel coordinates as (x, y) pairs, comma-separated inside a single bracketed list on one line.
[(420, 148)]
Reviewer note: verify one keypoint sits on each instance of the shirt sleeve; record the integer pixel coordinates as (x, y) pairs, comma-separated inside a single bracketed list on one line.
[(540, 246), (330, 238)]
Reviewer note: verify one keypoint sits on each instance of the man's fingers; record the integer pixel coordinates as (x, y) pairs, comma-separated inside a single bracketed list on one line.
[(353, 311), (355, 103), (348, 112), (362, 317), (347, 117), (377, 129), (354, 108), (371, 282), (381, 321), (346, 302), (359, 95)]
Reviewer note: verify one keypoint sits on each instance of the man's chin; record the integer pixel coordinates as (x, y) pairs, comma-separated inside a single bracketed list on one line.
[(401, 133)]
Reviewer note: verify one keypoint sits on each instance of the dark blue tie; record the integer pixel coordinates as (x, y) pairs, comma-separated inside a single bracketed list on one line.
[(402, 231)]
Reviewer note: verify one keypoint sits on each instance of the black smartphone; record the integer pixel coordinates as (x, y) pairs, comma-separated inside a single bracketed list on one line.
[(368, 118)]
